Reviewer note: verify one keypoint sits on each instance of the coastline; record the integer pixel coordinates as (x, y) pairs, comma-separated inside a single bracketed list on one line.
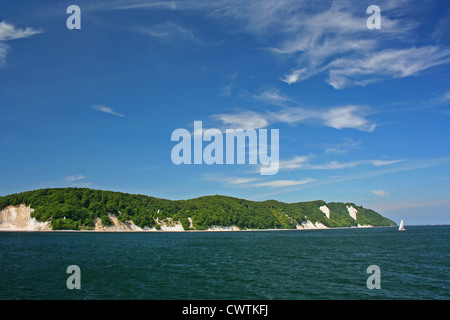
[(18, 218), (189, 231)]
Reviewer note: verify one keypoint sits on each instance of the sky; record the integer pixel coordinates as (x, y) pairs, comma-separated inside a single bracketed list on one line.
[(362, 113)]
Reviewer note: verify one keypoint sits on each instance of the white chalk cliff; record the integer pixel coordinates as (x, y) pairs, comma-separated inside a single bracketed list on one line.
[(309, 225), (325, 210), (352, 212), (118, 226), (18, 218), (219, 228)]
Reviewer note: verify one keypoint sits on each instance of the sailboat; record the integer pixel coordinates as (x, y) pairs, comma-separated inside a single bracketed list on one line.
[(402, 226)]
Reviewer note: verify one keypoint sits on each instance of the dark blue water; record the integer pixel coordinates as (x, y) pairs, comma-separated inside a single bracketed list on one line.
[(281, 265)]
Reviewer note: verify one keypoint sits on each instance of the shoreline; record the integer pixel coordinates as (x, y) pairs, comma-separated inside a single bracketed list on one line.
[(192, 231)]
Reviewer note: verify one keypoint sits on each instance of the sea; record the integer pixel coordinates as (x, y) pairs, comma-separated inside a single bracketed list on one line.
[(328, 264)]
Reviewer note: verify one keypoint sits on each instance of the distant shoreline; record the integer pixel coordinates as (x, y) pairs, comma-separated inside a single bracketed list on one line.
[(82, 208), (208, 231), (193, 231)]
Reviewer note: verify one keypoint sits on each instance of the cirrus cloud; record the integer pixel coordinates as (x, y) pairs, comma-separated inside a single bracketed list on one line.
[(341, 117), (106, 109), (380, 193), (328, 38), (10, 32)]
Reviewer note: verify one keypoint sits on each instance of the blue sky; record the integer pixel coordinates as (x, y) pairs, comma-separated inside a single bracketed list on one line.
[(363, 114)]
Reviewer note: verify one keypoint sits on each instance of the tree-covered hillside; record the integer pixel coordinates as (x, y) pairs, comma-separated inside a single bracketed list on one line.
[(76, 208)]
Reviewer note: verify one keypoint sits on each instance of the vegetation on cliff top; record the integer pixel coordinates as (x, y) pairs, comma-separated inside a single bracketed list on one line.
[(76, 208)]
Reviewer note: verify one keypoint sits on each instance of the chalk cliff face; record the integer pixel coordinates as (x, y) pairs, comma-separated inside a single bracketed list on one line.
[(352, 212), (325, 210), (309, 225), (119, 226), (18, 218), (219, 228), (76, 209)]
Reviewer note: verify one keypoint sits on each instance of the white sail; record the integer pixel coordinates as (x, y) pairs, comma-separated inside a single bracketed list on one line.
[(402, 226)]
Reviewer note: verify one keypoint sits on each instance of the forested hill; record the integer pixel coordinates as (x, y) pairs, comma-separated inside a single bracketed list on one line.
[(78, 208)]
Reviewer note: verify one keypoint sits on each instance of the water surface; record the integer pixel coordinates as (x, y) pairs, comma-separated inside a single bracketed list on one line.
[(281, 265)]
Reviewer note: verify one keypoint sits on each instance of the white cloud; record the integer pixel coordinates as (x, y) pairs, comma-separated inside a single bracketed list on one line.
[(167, 30), (334, 39), (378, 163), (130, 5), (297, 162), (408, 204), (9, 32), (292, 115), (294, 76), (343, 147), (77, 181), (444, 98), (394, 63), (323, 37), (3, 53), (333, 165), (239, 181), (342, 117), (227, 90), (74, 178), (243, 120), (406, 165), (107, 110), (272, 96), (303, 163), (380, 193), (282, 183), (255, 182), (347, 117)]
